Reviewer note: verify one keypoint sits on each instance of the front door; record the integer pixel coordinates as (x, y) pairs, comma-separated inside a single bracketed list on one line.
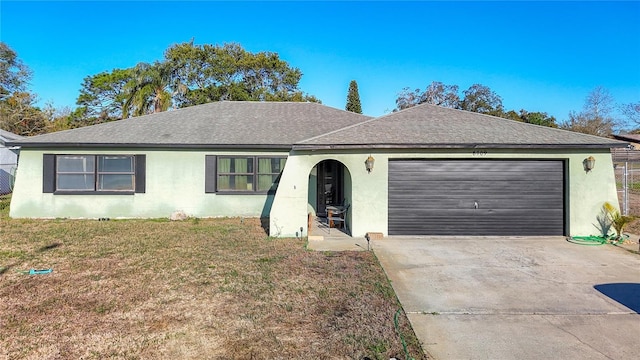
[(330, 185)]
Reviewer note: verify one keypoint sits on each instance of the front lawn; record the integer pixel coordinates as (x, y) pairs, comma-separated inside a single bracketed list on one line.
[(215, 289)]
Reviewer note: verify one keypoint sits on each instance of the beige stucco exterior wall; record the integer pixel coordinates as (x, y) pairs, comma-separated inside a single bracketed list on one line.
[(586, 192), (175, 180)]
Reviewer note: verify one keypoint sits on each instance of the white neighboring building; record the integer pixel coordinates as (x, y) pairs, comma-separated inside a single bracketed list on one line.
[(8, 161)]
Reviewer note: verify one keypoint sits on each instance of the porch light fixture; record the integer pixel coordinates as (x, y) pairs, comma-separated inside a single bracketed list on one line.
[(589, 163), (369, 163)]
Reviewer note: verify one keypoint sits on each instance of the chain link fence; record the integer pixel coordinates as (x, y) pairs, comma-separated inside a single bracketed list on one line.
[(626, 165), (8, 162), (7, 177)]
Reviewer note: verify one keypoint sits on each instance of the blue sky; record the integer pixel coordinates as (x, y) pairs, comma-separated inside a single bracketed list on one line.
[(538, 56)]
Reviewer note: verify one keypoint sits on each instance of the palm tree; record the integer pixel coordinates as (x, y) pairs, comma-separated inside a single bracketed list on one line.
[(150, 90)]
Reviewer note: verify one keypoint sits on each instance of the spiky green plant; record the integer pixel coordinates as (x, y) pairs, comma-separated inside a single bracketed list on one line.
[(618, 221)]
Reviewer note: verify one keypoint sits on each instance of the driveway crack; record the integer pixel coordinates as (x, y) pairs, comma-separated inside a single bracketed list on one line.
[(576, 337)]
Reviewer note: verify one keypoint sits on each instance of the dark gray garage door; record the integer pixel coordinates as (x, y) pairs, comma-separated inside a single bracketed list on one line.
[(476, 197)]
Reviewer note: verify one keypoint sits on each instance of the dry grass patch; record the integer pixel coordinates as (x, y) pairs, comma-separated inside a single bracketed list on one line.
[(197, 289)]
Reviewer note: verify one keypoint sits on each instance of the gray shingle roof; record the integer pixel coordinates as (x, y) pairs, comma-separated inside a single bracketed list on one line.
[(6, 136), (314, 126), (628, 137), (224, 124), (430, 126)]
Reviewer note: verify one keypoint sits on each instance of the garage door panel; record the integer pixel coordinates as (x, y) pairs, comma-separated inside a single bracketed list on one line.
[(439, 197), (468, 182), (502, 215), (474, 176), (474, 166), (455, 207), (480, 185), (469, 197), (474, 194), (471, 164)]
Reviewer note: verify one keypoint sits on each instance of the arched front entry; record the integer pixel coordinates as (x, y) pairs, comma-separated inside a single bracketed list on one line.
[(329, 185)]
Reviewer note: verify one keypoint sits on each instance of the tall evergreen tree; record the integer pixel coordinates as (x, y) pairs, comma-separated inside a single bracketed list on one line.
[(353, 98)]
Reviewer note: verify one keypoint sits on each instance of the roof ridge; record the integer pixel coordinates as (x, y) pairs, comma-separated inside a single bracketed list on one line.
[(338, 130), (494, 117), (219, 122), (429, 124)]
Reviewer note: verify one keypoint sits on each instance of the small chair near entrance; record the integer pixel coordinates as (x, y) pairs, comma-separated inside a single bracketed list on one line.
[(336, 216)]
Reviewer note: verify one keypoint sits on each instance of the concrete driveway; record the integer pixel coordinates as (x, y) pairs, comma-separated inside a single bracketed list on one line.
[(516, 298)]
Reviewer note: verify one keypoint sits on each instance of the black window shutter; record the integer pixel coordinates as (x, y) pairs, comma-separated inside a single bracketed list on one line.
[(210, 173), (48, 173), (141, 173)]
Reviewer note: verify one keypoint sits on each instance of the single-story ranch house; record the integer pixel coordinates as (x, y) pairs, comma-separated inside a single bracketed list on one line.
[(426, 170)]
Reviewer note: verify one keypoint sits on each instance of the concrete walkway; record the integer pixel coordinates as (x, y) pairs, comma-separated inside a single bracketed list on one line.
[(321, 238), (338, 243), (516, 298)]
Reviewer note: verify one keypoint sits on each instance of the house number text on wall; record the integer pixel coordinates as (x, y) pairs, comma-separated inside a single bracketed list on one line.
[(480, 152)]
